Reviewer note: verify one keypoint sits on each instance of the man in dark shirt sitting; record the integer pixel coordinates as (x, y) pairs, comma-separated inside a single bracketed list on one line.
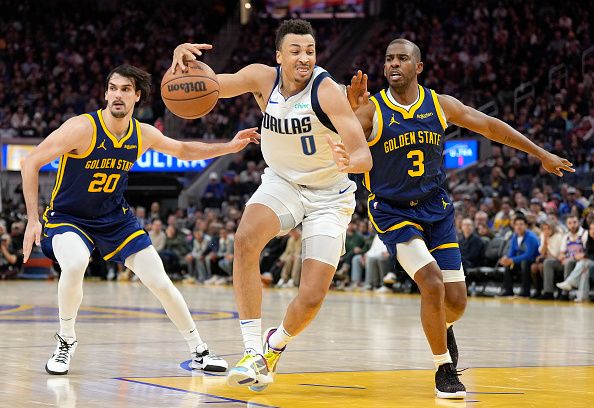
[(471, 245)]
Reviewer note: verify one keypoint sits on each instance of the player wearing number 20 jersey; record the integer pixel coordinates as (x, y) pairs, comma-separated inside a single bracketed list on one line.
[(88, 196)]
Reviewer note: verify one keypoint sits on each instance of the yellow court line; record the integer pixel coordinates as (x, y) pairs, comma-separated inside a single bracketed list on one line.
[(19, 308)]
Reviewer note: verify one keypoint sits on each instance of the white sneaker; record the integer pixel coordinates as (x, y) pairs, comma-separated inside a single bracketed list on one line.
[(390, 278), (289, 284), (564, 286), (211, 280), (280, 283), (383, 289), (202, 359), (59, 363)]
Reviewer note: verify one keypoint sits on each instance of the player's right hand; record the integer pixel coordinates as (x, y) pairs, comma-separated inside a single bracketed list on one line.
[(32, 235), (556, 165), (243, 138), (186, 52), (357, 93)]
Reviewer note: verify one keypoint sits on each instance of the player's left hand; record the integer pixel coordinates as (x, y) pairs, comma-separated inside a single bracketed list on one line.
[(339, 154), (555, 164), (357, 91), (186, 52), (243, 138)]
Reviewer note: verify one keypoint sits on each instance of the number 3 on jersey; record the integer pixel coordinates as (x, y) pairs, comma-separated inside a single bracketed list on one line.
[(418, 163), (308, 144), (103, 183)]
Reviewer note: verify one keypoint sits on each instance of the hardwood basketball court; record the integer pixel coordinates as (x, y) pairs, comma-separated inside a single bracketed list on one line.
[(363, 350)]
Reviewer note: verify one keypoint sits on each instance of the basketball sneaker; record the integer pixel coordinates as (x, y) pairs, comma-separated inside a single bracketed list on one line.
[(452, 346), (271, 355), (251, 369), (202, 359), (447, 383), (59, 363)]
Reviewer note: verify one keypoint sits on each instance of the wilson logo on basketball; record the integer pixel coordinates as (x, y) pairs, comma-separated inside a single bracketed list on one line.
[(187, 87)]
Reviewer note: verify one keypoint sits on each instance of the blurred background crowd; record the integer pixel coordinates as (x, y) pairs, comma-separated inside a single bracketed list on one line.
[(525, 62)]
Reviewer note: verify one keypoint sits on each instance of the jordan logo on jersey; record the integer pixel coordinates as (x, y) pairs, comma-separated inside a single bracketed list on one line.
[(392, 121), (102, 146), (444, 203)]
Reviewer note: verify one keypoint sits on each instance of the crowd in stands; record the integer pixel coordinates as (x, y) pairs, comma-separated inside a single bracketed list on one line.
[(518, 225)]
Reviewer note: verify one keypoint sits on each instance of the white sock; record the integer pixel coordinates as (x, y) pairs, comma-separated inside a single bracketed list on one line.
[(441, 359), (192, 337), (448, 325), (67, 328), (251, 330), (280, 338)]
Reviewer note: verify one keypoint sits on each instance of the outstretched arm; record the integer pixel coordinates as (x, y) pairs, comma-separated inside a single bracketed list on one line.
[(254, 78), (499, 131), (154, 139), (353, 155)]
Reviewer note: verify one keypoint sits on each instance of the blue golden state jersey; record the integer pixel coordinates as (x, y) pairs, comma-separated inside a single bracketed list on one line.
[(92, 184), (407, 149)]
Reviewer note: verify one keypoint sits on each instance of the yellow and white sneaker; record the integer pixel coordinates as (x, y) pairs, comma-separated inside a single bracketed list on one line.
[(251, 369), (271, 355)]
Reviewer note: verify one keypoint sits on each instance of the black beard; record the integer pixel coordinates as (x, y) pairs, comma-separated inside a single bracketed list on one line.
[(118, 114)]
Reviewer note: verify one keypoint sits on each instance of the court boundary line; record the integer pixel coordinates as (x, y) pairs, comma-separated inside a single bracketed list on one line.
[(227, 399)]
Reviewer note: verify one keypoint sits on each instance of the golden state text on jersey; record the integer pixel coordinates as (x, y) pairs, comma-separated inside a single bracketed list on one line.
[(92, 184), (407, 148)]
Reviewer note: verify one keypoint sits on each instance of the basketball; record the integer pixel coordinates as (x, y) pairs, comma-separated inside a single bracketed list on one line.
[(191, 94)]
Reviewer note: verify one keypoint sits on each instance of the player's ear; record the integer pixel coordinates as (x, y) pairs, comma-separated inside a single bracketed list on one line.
[(137, 96), (419, 67), (278, 57)]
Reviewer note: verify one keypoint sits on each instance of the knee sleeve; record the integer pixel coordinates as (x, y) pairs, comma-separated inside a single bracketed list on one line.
[(413, 255), (148, 266), (324, 248), (285, 217), (71, 253)]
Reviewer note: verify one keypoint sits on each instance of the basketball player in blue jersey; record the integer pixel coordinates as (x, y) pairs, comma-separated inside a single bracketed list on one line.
[(412, 213), (311, 139), (88, 210)]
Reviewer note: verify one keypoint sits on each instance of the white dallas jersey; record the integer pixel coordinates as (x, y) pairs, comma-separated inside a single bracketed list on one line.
[(294, 136)]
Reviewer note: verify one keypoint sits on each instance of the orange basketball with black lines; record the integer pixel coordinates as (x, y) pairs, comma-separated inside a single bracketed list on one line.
[(191, 94)]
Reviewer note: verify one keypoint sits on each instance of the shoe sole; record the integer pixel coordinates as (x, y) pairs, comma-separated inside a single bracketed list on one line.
[(450, 395), (240, 377), (257, 387), (55, 372), (212, 368)]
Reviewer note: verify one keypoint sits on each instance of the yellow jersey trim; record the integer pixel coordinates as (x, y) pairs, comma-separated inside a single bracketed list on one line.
[(116, 143), (405, 114), (59, 176), (123, 244), (393, 227), (438, 109), (367, 182), (445, 246), (380, 122), (93, 141), (139, 137), (65, 224)]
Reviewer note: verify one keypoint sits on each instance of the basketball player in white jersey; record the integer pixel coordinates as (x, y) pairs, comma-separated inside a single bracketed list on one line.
[(310, 140)]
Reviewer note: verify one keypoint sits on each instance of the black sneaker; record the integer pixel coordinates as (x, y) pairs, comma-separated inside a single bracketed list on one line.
[(452, 347), (447, 383)]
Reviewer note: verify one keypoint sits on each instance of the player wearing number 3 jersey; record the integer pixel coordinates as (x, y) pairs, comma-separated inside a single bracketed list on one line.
[(413, 215), (310, 140), (87, 208)]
